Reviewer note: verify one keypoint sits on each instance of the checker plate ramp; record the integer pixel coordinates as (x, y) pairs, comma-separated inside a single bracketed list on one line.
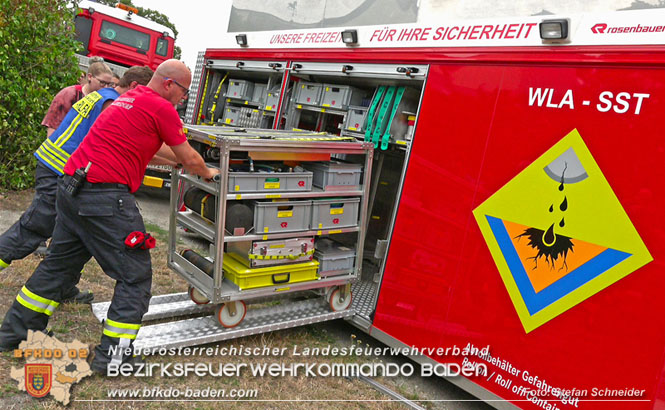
[(191, 332), (206, 329), (161, 307)]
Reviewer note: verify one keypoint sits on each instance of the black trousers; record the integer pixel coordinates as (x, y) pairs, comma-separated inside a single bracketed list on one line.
[(93, 223), (36, 224)]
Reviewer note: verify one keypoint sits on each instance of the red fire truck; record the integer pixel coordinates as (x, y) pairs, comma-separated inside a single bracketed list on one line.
[(121, 36), (514, 211)]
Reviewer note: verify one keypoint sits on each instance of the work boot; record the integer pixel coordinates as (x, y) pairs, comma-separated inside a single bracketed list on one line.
[(99, 367), (41, 250), (78, 296)]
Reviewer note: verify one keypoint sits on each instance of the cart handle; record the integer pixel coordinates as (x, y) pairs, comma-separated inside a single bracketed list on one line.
[(286, 280)]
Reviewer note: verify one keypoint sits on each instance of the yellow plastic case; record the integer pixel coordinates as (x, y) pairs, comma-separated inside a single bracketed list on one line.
[(247, 278)]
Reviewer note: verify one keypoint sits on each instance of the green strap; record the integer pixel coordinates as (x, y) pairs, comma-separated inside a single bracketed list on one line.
[(370, 114), (385, 105), (386, 135)]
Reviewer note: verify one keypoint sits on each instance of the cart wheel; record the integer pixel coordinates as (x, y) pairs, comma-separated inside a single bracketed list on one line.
[(226, 318), (339, 302), (197, 297)]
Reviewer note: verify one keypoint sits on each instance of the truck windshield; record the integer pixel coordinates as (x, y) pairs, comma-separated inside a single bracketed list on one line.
[(124, 35)]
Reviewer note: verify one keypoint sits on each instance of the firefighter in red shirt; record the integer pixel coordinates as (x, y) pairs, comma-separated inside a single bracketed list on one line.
[(102, 219)]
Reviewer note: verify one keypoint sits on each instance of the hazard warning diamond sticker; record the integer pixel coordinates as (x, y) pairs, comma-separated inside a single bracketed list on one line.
[(558, 234)]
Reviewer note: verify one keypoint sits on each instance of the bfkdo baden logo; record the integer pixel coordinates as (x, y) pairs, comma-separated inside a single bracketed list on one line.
[(558, 234), (51, 367), (38, 379)]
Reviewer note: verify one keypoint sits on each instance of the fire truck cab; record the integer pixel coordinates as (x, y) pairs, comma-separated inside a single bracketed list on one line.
[(121, 36)]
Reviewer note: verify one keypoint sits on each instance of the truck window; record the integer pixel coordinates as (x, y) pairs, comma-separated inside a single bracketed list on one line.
[(124, 35), (83, 28), (162, 47)]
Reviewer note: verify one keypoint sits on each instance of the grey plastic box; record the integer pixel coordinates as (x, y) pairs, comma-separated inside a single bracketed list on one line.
[(240, 89), (340, 96), (355, 119), (334, 258), (335, 213), (272, 253), (259, 93), (231, 116), (272, 100), (335, 175), (281, 216), (308, 93), (245, 182)]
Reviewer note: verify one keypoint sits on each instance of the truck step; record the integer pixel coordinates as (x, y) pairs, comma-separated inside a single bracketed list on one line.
[(202, 330), (161, 307)]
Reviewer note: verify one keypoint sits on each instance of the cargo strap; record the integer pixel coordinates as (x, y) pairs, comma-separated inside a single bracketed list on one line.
[(215, 99), (35, 302), (385, 106), (370, 113), (120, 330), (204, 201), (386, 135), (276, 257), (203, 96)]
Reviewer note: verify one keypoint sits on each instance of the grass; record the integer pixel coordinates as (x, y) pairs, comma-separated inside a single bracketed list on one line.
[(72, 322)]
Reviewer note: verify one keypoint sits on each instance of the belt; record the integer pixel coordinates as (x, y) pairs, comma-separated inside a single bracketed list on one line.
[(99, 186)]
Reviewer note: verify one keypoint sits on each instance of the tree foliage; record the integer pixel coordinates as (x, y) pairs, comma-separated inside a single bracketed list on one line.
[(36, 60)]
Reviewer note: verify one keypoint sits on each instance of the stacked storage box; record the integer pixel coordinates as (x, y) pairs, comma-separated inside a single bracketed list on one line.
[(259, 94), (282, 216), (335, 175), (246, 182), (341, 96), (272, 100), (356, 118), (240, 89), (308, 93), (335, 213), (271, 253), (249, 278), (231, 116), (334, 258)]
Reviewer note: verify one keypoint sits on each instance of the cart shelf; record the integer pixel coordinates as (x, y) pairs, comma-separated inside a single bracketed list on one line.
[(276, 145)]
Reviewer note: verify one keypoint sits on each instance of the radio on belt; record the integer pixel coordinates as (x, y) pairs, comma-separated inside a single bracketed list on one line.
[(76, 181)]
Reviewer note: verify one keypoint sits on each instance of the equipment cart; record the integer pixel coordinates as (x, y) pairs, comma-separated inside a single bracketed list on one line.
[(286, 208)]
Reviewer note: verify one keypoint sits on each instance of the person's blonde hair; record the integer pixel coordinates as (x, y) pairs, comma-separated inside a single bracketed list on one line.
[(98, 68)]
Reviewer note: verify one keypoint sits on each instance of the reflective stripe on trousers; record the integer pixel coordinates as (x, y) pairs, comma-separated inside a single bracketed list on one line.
[(35, 302), (120, 330)]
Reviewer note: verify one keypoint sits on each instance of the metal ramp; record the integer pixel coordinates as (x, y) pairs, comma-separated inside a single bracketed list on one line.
[(161, 307), (203, 330), (206, 329)]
